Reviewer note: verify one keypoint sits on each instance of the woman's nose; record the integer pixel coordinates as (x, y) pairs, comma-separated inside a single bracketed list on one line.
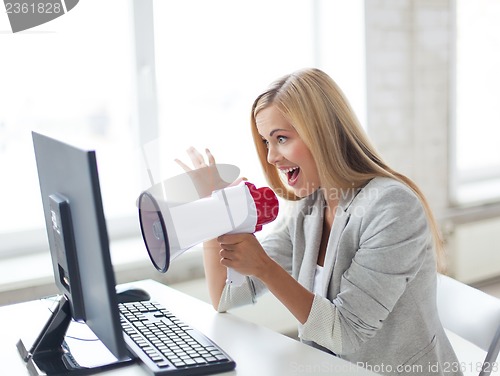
[(273, 156)]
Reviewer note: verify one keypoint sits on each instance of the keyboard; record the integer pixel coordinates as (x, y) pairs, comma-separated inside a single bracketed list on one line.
[(167, 346)]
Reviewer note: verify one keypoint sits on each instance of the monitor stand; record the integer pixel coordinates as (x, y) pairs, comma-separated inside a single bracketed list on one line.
[(50, 354)]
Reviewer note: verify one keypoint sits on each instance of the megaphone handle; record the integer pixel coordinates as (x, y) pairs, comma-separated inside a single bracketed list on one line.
[(234, 278)]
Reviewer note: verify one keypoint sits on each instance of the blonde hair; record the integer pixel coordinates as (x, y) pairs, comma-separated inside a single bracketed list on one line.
[(315, 106)]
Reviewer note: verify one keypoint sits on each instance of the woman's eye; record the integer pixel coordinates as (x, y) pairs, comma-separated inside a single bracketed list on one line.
[(279, 140)]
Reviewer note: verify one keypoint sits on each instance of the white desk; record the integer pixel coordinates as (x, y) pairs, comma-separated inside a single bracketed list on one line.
[(256, 350)]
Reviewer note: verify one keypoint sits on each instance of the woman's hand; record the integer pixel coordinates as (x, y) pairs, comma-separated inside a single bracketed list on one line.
[(205, 174), (243, 253), (197, 159)]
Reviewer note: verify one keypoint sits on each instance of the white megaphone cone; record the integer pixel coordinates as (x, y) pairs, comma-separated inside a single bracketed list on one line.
[(170, 229)]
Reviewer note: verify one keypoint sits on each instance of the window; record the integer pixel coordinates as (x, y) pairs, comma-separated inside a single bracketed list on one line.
[(71, 79), (476, 173), (214, 57)]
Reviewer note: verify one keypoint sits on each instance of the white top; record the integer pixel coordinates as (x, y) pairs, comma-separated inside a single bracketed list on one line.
[(318, 280)]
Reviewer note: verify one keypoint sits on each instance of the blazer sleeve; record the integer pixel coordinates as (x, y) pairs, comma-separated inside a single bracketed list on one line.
[(278, 246), (393, 239)]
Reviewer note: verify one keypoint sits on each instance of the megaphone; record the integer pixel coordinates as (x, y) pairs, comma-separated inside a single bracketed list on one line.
[(169, 227)]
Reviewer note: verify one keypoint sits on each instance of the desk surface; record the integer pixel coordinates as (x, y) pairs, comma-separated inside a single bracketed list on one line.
[(256, 350)]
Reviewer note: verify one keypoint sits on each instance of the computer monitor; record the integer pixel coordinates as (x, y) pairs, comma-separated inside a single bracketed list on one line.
[(79, 247)]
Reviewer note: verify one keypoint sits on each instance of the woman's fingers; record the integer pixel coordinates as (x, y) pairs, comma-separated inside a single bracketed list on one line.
[(211, 159), (228, 240), (196, 158), (237, 181), (184, 166), (227, 254), (228, 244)]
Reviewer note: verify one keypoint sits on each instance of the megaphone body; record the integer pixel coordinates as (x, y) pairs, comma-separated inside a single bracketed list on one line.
[(169, 229)]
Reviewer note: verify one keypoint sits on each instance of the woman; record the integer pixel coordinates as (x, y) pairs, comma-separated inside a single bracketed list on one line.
[(354, 260)]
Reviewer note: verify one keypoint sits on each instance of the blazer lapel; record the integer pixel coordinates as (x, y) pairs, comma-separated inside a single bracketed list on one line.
[(313, 226), (339, 224), (340, 221)]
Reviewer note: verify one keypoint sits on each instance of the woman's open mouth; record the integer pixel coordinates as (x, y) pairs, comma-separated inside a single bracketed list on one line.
[(292, 175)]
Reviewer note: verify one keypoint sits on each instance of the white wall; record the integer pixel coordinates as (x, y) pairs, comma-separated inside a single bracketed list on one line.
[(408, 65), (410, 69)]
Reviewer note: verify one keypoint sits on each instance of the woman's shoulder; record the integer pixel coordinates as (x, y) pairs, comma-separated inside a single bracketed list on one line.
[(386, 182), (386, 185), (383, 190)]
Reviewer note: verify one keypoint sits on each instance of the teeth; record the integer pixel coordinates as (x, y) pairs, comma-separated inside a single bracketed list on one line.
[(287, 170)]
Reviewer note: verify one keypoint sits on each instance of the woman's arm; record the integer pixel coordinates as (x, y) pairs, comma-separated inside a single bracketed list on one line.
[(289, 292), (244, 253), (215, 272)]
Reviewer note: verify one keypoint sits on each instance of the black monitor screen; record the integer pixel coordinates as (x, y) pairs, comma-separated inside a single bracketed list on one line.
[(78, 239)]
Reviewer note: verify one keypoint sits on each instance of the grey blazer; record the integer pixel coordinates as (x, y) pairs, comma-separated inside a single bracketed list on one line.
[(377, 306)]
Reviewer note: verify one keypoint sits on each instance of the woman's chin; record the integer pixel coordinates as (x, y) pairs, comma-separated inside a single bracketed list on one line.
[(302, 192)]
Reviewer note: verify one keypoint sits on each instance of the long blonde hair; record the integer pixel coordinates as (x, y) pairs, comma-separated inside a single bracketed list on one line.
[(315, 106)]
